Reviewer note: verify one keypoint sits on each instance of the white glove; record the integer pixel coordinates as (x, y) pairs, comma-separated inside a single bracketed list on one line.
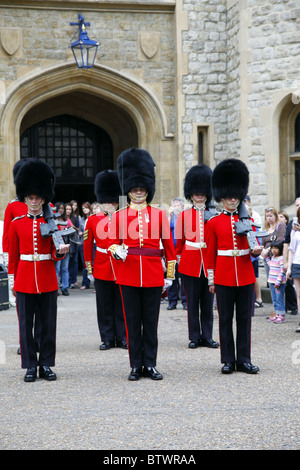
[(168, 283), (90, 277), (121, 252)]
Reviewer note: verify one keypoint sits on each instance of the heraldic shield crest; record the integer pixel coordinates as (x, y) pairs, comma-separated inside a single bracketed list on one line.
[(149, 42), (10, 39)]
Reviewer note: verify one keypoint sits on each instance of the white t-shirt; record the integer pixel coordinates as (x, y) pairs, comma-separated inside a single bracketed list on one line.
[(295, 246)]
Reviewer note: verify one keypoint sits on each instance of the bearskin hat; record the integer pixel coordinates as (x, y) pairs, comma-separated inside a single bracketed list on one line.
[(230, 178), (17, 167), (107, 187), (136, 169), (198, 180), (35, 177)]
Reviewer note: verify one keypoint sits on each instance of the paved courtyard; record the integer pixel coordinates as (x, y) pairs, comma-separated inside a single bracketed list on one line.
[(92, 405)]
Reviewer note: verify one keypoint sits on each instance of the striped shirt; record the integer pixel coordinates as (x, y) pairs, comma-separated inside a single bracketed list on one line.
[(276, 270)]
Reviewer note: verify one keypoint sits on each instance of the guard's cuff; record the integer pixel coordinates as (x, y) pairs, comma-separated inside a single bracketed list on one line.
[(89, 268), (171, 269), (211, 277), (5, 259), (11, 281), (59, 255)]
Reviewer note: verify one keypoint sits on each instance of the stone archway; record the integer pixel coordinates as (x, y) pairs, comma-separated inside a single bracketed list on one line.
[(135, 105)]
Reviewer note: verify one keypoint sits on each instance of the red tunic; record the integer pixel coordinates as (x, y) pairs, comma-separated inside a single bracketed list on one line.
[(97, 230), (190, 227), (145, 228), (220, 234), (32, 277)]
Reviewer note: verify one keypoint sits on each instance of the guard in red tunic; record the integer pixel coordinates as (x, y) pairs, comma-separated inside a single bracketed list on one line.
[(102, 267), (140, 232), (14, 209), (31, 269), (229, 267), (191, 250)]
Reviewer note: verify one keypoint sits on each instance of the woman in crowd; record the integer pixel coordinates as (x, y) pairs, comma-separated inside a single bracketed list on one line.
[(86, 212), (62, 265), (73, 262), (276, 231)]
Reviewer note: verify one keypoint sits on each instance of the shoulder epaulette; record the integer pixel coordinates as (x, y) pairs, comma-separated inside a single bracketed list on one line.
[(19, 217), (158, 207), (14, 200), (121, 209)]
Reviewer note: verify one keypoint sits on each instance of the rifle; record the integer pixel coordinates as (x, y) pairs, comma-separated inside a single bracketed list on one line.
[(50, 229), (210, 212), (245, 227)]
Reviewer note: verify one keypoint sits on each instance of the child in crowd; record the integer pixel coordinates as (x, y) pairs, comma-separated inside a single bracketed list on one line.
[(277, 281)]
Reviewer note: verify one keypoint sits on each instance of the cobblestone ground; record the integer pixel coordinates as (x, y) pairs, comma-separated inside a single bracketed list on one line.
[(92, 405)]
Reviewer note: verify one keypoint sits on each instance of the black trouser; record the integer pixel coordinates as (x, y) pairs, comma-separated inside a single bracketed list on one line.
[(27, 305), (199, 306), (110, 316), (37, 329), (141, 309), (241, 300)]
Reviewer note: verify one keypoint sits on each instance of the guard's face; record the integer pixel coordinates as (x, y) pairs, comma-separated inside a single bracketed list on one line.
[(230, 203), (138, 195), (34, 203), (199, 198)]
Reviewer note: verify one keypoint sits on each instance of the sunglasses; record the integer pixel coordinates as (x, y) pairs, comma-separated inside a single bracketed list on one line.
[(270, 209)]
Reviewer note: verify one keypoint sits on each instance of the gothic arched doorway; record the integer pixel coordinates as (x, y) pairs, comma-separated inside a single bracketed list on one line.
[(76, 150)]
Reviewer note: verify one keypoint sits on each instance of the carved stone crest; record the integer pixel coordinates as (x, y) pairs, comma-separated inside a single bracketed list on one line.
[(10, 39), (149, 43)]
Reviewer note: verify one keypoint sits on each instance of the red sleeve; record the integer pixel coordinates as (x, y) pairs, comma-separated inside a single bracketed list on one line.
[(8, 217), (211, 242), (167, 239), (13, 250)]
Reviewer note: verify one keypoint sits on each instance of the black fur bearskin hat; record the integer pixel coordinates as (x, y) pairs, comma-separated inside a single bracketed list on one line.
[(35, 177), (107, 187), (230, 178), (198, 181), (136, 169), (17, 167)]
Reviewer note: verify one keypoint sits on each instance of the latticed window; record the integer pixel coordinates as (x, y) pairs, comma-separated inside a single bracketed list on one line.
[(76, 149)]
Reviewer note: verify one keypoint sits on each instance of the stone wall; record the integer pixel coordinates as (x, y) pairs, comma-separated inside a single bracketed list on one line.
[(205, 85), (243, 57), (274, 41)]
